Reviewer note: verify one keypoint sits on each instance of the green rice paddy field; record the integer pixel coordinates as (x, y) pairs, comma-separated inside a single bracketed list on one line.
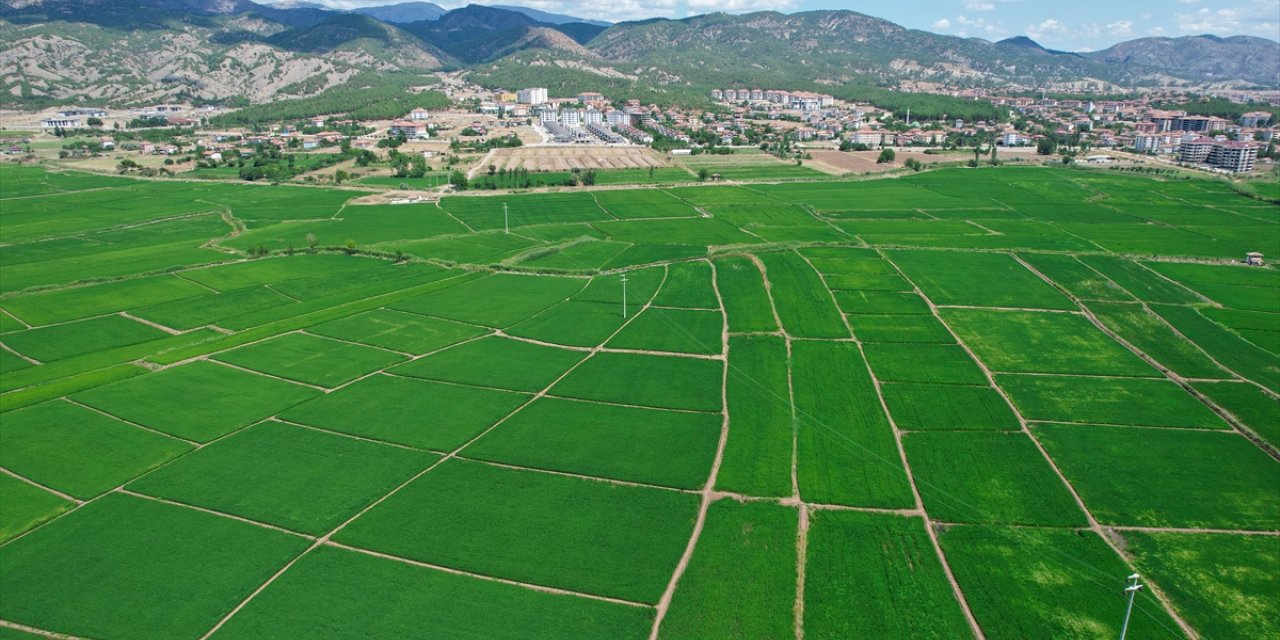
[(953, 404)]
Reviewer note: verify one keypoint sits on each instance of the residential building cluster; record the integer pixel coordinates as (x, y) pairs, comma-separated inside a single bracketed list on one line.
[(801, 100)]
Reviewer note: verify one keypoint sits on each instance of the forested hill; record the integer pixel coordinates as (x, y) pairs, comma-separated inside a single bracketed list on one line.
[(237, 50)]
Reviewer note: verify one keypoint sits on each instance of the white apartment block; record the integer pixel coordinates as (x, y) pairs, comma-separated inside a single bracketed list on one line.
[(1235, 156), (535, 95)]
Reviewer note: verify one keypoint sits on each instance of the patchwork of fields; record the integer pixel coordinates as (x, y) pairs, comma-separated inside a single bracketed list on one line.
[(960, 403)]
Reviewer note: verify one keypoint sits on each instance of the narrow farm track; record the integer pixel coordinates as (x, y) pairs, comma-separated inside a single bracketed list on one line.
[(708, 489), (126, 421), (1025, 429), (38, 631), (25, 358), (42, 487), (802, 526)]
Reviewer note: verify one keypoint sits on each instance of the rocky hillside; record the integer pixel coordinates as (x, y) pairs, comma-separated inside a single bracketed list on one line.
[(832, 46), (133, 51), (137, 51), (1203, 58), (117, 52)]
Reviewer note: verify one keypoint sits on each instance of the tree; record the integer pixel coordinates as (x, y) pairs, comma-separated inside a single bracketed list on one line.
[(458, 179), (312, 241), (886, 157), (349, 246), (702, 175), (94, 122), (1046, 146)]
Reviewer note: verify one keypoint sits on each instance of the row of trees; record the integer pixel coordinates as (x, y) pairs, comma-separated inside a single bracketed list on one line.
[(521, 178)]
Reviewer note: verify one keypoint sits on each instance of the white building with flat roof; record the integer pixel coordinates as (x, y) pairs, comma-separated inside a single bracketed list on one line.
[(534, 95), (61, 123)]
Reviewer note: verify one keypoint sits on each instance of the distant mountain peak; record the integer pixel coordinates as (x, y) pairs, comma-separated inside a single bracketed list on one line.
[(404, 12), (547, 17), (1022, 41)]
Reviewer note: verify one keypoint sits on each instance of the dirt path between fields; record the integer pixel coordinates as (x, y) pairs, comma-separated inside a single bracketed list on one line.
[(708, 488), (802, 524)]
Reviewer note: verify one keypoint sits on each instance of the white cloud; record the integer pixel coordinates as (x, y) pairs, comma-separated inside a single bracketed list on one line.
[(979, 6), (942, 23), (1258, 17), (1120, 28), (1049, 29), (734, 6)]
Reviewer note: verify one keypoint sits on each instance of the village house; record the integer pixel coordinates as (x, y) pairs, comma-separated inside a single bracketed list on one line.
[(409, 129)]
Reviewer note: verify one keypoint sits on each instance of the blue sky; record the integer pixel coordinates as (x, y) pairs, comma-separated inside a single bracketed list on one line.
[(1083, 25)]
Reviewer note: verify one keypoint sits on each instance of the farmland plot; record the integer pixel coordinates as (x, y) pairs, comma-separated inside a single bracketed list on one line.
[(933, 363), (612, 540), (918, 407), (1075, 593), (25, 506), (1199, 572), (79, 451), (311, 359), (623, 443), (494, 301), (798, 293), (481, 214), (1036, 342), (1249, 404), (955, 278), (398, 331), (343, 594), (757, 455), (496, 441), (1123, 475), (746, 301), (407, 411), (145, 556), (1127, 401), (846, 450), (884, 563), (675, 330), (293, 477), (986, 477), (662, 382), (485, 363), (741, 581)]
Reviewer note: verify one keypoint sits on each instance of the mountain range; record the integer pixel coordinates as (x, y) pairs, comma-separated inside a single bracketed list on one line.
[(133, 51)]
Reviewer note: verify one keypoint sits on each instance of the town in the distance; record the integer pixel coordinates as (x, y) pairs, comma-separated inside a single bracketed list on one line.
[(802, 126)]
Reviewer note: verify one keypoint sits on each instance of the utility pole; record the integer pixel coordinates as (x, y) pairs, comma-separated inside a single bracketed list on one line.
[(1133, 589), (624, 295), (506, 224)]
